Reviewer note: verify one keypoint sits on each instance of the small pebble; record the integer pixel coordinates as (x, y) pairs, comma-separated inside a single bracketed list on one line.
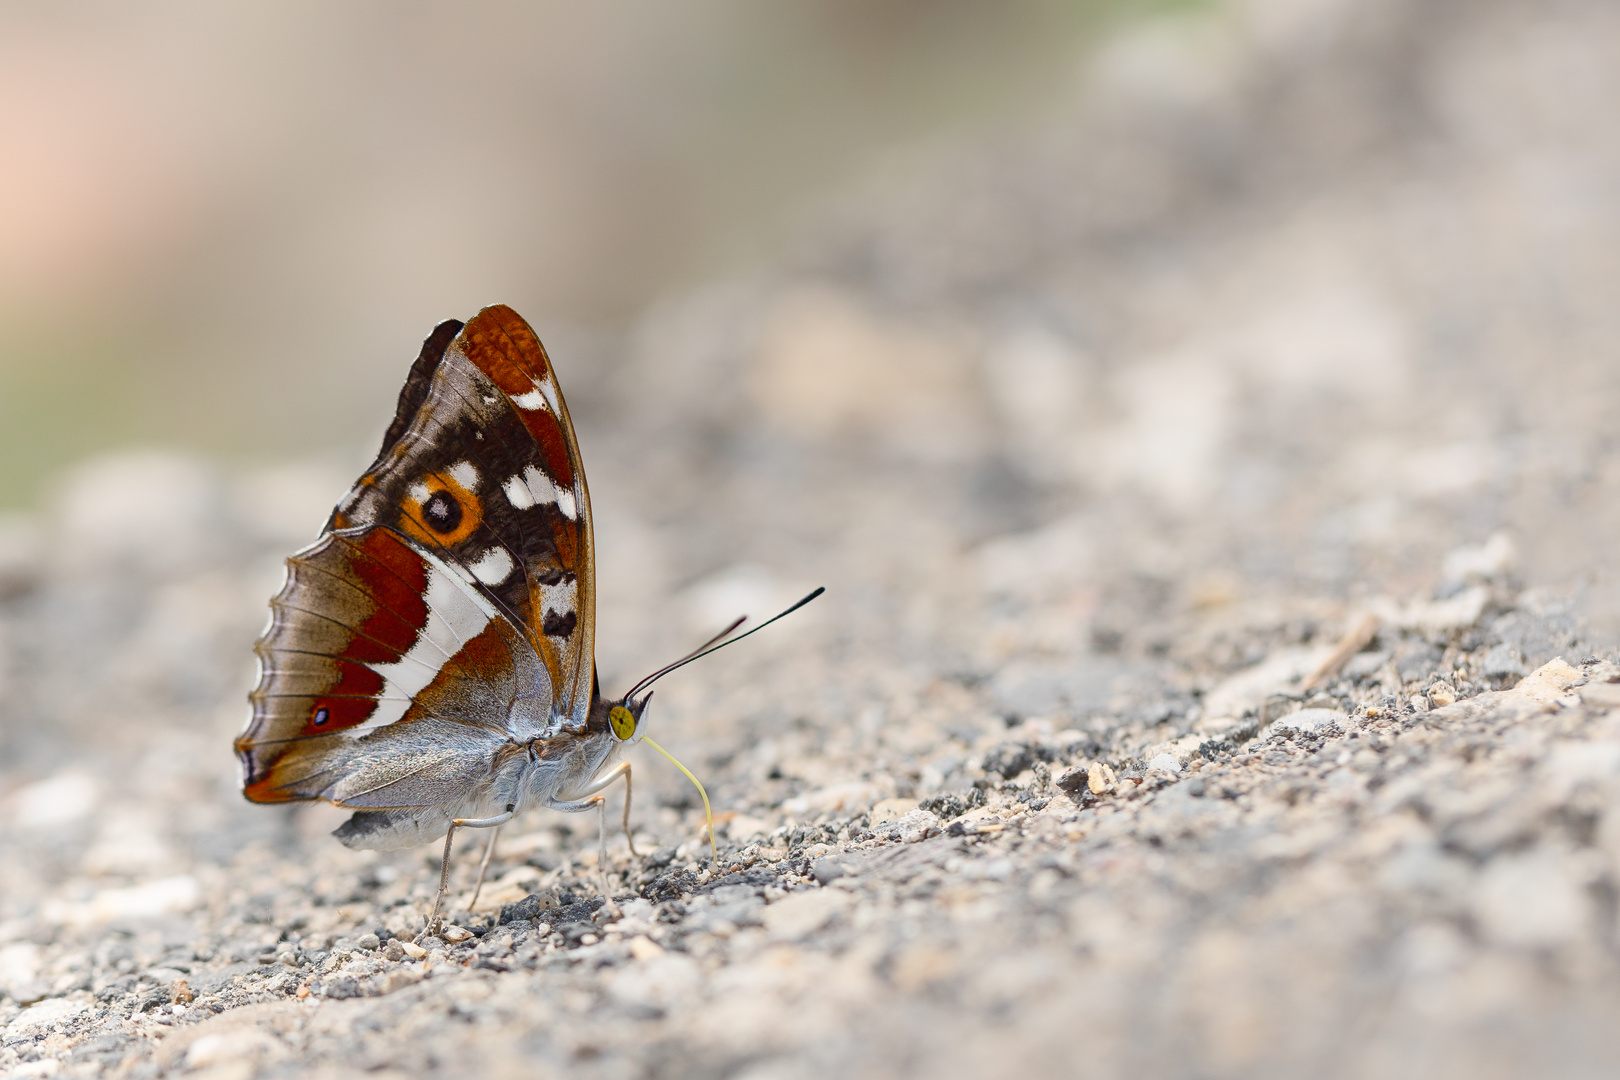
[(643, 947), (456, 934), (181, 992), (1100, 778), (1166, 763), (412, 950), (367, 942), (394, 950)]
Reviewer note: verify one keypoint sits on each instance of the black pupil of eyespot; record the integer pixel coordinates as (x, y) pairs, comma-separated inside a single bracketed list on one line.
[(321, 715), (442, 511)]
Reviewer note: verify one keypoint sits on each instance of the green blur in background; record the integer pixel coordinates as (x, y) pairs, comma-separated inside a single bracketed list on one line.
[(225, 227)]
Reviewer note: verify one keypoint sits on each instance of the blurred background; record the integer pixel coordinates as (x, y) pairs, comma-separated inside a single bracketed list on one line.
[(222, 230), (1034, 330)]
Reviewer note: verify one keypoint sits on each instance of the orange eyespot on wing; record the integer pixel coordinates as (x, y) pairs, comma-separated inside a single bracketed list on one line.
[(439, 512)]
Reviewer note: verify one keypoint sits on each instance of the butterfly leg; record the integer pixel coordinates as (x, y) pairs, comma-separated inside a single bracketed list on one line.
[(444, 867), (444, 882), (624, 822), (589, 798), (483, 867), (601, 840)]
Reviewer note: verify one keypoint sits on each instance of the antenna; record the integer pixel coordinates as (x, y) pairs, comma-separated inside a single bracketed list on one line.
[(710, 646)]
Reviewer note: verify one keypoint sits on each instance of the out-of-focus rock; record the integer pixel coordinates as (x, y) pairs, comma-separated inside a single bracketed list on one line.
[(38, 1018), (800, 914), (833, 797), (147, 900), (748, 589), (19, 966), (1307, 721), (1174, 418), (1532, 899), (828, 366), (22, 554), (286, 504), (1435, 616), (1503, 662), (62, 799), (887, 810), (151, 510), (1246, 690), (1165, 763), (1487, 561)]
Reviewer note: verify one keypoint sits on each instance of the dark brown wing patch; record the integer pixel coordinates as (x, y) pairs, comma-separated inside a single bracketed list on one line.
[(487, 476)]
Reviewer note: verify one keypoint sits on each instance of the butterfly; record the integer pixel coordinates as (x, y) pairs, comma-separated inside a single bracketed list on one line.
[(429, 661)]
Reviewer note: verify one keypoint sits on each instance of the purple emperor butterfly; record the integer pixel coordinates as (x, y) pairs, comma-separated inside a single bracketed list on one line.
[(430, 660)]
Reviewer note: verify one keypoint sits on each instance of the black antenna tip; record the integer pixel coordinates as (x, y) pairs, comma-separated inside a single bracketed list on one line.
[(717, 642), (818, 591)]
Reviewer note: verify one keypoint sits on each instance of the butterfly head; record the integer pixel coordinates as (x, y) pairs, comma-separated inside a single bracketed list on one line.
[(625, 715), (624, 718)]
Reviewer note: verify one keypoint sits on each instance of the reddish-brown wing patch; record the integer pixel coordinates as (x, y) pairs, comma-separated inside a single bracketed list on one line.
[(500, 344), (347, 605), (436, 754)]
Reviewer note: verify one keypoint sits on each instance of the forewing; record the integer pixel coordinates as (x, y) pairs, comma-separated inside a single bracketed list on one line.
[(481, 468)]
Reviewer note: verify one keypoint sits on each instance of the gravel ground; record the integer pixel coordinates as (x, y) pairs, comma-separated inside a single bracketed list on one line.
[(1216, 676)]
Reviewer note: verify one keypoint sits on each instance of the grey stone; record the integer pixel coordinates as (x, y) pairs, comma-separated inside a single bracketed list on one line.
[(1503, 662), (829, 869)]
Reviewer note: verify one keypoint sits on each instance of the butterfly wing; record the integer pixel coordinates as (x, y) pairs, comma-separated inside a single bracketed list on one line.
[(487, 475), (448, 607)]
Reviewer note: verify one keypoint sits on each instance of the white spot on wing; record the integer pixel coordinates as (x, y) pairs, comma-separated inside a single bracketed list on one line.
[(420, 494), (540, 486), (564, 596), (494, 567), (465, 473), (530, 401), (456, 614), (517, 493), (534, 488), (548, 388)]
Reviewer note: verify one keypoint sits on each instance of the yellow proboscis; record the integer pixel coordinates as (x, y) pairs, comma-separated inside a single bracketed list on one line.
[(708, 814)]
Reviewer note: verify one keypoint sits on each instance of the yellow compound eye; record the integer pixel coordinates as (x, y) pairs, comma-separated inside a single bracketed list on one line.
[(623, 722)]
